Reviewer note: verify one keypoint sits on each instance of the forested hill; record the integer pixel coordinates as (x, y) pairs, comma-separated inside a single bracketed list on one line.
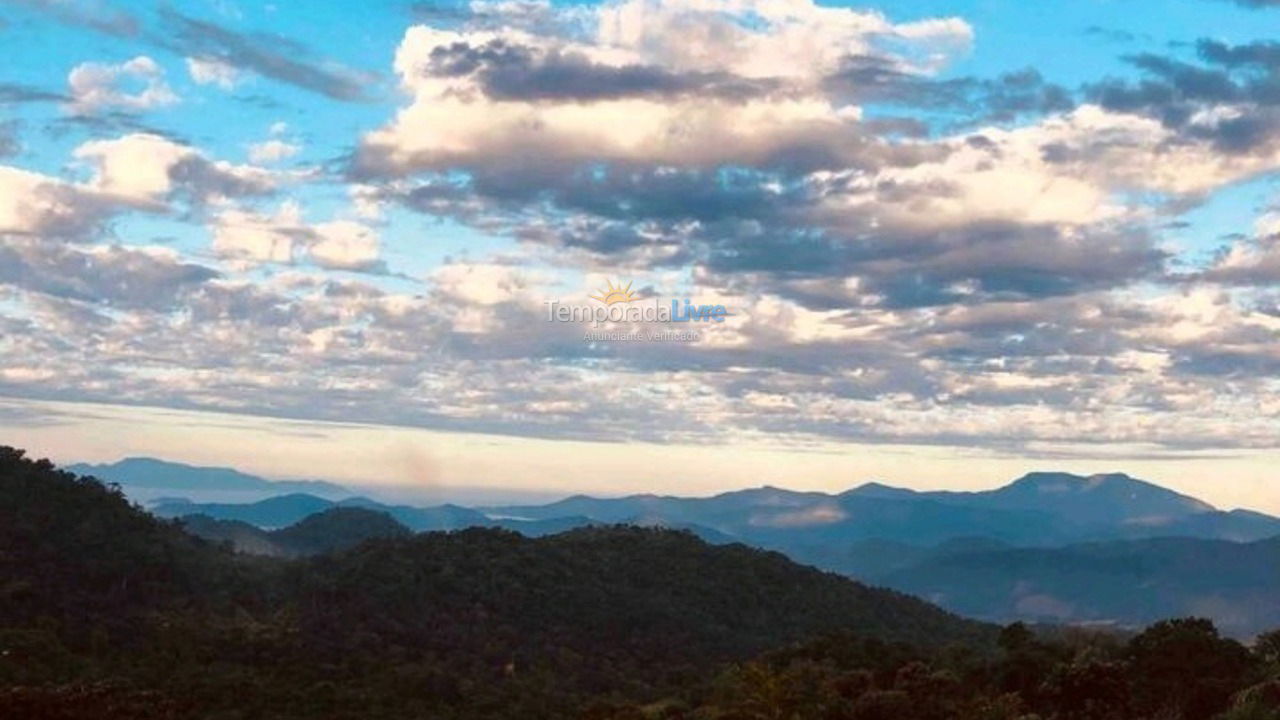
[(478, 623)]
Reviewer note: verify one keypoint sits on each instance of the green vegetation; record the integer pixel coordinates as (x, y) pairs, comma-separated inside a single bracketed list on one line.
[(107, 612)]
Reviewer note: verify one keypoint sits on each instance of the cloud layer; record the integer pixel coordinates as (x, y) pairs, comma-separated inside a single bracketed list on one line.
[(911, 255)]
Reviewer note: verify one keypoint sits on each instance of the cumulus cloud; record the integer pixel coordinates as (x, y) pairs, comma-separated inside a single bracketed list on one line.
[(146, 168), (94, 87), (987, 269), (133, 172), (284, 237), (35, 204), (751, 159), (673, 82)]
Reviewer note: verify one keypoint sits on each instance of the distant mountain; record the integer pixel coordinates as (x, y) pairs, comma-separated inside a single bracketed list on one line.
[(923, 542), (439, 517), (1104, 500), (150, 474), (1129, 583), (274, 512), (1041, 509), (284, 510), (338, 528)]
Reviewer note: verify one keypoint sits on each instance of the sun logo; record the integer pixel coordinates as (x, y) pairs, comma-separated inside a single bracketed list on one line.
[(612, 295)]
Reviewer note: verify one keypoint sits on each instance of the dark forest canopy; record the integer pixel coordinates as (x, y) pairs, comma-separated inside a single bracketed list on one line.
[(107, 612)]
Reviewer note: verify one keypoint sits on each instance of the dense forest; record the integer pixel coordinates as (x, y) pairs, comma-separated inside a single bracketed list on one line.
[(108, 612)]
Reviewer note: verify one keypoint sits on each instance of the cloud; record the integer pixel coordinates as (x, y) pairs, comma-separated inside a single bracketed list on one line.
[(133, 172), (93, 14), (148, 169), (16, 93), (284, 238), (94, 87), (1229, 98), (272, 151), (910, 255), (40, 205), (207, 71), (634, 89), (869, 78), (1252, 260), (114, 276), (268, 55)]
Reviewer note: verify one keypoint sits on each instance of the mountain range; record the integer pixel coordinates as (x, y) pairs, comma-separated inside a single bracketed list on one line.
[(146, 479), (1037, 509), (1052, 547)]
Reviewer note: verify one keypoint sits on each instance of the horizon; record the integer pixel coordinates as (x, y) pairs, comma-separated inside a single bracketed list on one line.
[(424, 471)]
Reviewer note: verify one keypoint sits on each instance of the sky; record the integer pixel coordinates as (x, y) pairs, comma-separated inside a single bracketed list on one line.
[(949, 242)]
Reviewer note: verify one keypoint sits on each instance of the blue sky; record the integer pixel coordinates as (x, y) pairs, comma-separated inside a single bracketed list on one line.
[(984, 234)]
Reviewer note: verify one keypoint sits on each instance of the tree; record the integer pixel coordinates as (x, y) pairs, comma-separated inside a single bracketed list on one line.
[(1184, 669)]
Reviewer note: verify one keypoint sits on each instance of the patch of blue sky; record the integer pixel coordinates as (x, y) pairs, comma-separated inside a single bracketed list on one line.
[(1231, 211), (1077, 42)]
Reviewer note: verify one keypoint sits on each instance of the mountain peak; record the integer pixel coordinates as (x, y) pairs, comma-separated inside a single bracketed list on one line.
[(879, 489), (1114, 495)]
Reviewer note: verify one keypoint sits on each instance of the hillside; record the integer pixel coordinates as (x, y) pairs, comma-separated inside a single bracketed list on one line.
[(478, 623), (337, 528)]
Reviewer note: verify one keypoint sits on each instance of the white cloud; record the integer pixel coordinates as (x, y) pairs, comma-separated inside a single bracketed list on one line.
[(258, 238), (146, 168), (211, 71), (284, 237), (344, 245), (98, 86), (35, 204), (772, 56), (272, 151)]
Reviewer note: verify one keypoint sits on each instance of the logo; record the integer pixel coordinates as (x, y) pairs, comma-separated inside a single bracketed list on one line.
[(620, 304), (613, 295)]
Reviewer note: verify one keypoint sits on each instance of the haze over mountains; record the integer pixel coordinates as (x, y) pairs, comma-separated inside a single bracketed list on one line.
[(145, 479), (1051, 547)]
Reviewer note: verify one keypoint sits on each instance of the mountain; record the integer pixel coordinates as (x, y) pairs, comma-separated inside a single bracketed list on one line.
[(273, 512), (1127, 583), (1040, 509), (241, 536), (100, 599), (285, 510), (337, 528), (145, 477), (1103, 500), (439, 517)]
